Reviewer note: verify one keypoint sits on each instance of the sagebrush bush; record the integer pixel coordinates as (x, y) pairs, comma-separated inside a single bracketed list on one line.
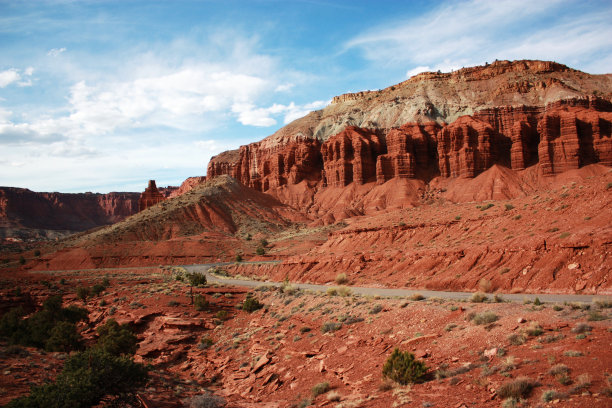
[(341, 279), (196, 279), (478, 297), (251, 304), (319, 389), (485, 318), (330, 327), (403, 368), (206, 401), (519, 388)]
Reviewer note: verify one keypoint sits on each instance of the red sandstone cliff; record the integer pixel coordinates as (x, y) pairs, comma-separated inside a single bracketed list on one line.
[(514, 114), (28, 214)]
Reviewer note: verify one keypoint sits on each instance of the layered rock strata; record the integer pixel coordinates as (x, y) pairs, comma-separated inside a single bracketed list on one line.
[(150, 196)]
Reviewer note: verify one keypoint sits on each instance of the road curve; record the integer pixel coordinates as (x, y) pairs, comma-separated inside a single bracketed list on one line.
[(386, 292)]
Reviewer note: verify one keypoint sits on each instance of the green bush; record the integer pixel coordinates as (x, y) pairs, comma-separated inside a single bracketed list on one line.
[(319, 389), (86, 377), (39, 329), (238, 258), (330, 327), (260, 251), (403, 368), (196, 279), (97, 289), (116, 339), (83, 293), (251, 304), (63, 337)]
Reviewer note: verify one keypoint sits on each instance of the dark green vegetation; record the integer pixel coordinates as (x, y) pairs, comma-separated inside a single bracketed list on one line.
[(105, 369), (53, 328), (403, 368), (251, 304)]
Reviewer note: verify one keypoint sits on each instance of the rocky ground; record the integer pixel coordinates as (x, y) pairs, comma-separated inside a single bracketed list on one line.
[(282, 354)]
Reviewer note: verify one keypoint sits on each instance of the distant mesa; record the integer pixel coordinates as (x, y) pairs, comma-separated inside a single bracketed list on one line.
[(150, 197)]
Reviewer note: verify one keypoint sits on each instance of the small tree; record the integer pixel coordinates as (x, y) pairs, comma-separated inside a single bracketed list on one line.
[(251, 304), (403, 368)]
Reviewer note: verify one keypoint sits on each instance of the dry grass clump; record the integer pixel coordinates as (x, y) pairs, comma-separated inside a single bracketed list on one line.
[(341, 279), (551, 395), (416, 297), (485, 318), (478, 297), (519, 388)]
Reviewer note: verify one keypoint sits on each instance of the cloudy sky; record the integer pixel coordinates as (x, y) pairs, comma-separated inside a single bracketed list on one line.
[(105, 95)]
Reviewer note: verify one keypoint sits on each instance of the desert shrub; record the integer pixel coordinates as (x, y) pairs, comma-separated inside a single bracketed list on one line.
[(572, 353), (478, 297), (330, 327), (332, 291), (251, 304), (416, 297), (334, 396), (551, 338), (319, 389), (116, 339), (534, 329), (206, 401), (582, 328), (305, 329), (173, 303), (105, 282), (222, 315), (595, 316), (22, 260), (508, 207), (260, 251), (341, 279), (485, 318), (517, 339), (83, 293), (550, 395), (97, 289), (196, 279), (602, 303), (376, 309), (37, 253), (205, 343), (403, 368), (36, 330), (537, 301), (485, 285), (238, 258), (63, 337), (344, 291), (519, 388), (200, 303), (87, 377)]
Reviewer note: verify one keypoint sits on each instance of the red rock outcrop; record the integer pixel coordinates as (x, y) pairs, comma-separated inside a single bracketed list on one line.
[(150, 197), (572, 137), (467, 147), (411, 153), (187, 185), (29, 214), (263, 168), (350, 156)]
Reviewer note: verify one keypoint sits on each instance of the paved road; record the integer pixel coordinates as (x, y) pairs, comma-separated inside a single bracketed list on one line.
[(384, 292)]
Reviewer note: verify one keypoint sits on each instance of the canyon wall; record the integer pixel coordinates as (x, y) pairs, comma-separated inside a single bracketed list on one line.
[(560, 136), (22, 209), (510, 113)]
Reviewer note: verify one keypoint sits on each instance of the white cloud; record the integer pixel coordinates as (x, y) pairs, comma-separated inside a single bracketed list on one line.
[(417, 70), (248, 114), (8, 77), (284, 87), (471, 32), (54, 52)]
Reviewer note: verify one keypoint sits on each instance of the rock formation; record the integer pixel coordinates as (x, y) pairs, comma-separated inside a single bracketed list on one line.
[(28, 214), (150, 197), (515, 114)]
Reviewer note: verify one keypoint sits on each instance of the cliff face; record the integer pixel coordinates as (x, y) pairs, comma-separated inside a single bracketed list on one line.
[(150, 196), (22, 209), (514, 114)]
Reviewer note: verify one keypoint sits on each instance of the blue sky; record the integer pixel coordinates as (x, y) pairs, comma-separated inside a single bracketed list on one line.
[(104, 95)]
